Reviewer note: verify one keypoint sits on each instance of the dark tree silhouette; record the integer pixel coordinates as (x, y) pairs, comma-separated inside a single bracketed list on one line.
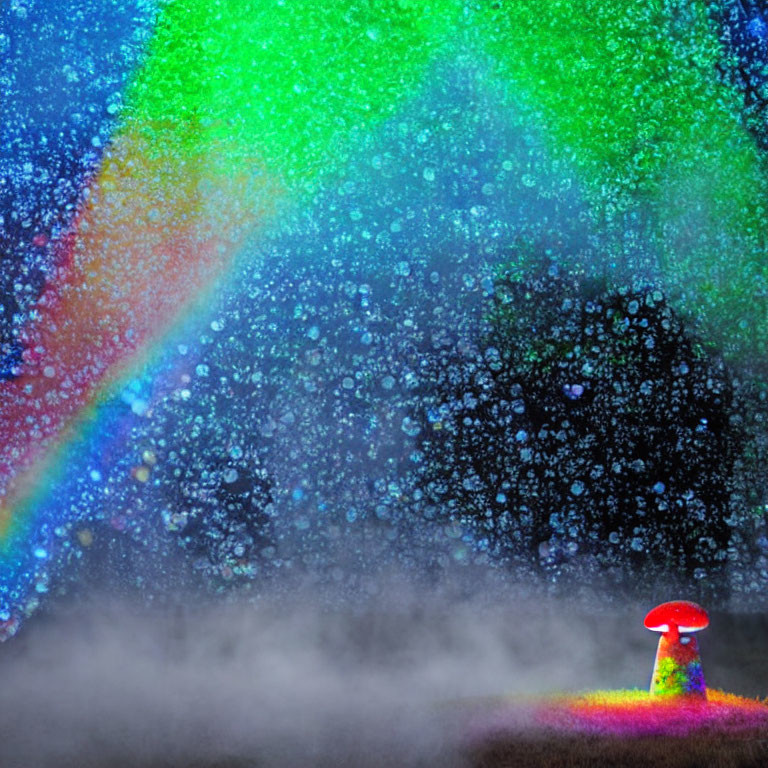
[(590, 427)]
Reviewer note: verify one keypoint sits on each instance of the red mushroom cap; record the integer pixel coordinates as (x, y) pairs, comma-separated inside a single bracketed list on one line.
[(686, 616)]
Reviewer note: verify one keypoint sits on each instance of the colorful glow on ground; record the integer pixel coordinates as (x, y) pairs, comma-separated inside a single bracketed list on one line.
[(639, 713)]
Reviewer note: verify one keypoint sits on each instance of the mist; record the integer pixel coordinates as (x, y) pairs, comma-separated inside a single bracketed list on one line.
[(288, 680)]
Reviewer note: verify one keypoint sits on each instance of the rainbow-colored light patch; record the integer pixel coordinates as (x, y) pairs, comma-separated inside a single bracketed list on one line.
[(639, 713)]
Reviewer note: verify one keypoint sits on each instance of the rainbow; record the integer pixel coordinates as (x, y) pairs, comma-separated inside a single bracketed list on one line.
[(240, 112), (228, 119)]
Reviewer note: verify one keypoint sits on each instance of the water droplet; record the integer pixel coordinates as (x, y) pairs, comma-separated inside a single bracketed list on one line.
[(410, 426)]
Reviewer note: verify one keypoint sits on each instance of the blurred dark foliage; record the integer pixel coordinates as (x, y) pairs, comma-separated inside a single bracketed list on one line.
[(591, 432)]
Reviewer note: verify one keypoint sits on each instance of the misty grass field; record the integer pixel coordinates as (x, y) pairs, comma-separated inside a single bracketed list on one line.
[(399, 683), (560, 752), (536, 749)]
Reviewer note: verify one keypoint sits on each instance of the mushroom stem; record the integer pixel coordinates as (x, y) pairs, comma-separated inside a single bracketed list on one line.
[(672, 634), (677, 670)]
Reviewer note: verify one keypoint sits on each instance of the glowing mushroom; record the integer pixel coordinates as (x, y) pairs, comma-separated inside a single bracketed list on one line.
[(677, 670)]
